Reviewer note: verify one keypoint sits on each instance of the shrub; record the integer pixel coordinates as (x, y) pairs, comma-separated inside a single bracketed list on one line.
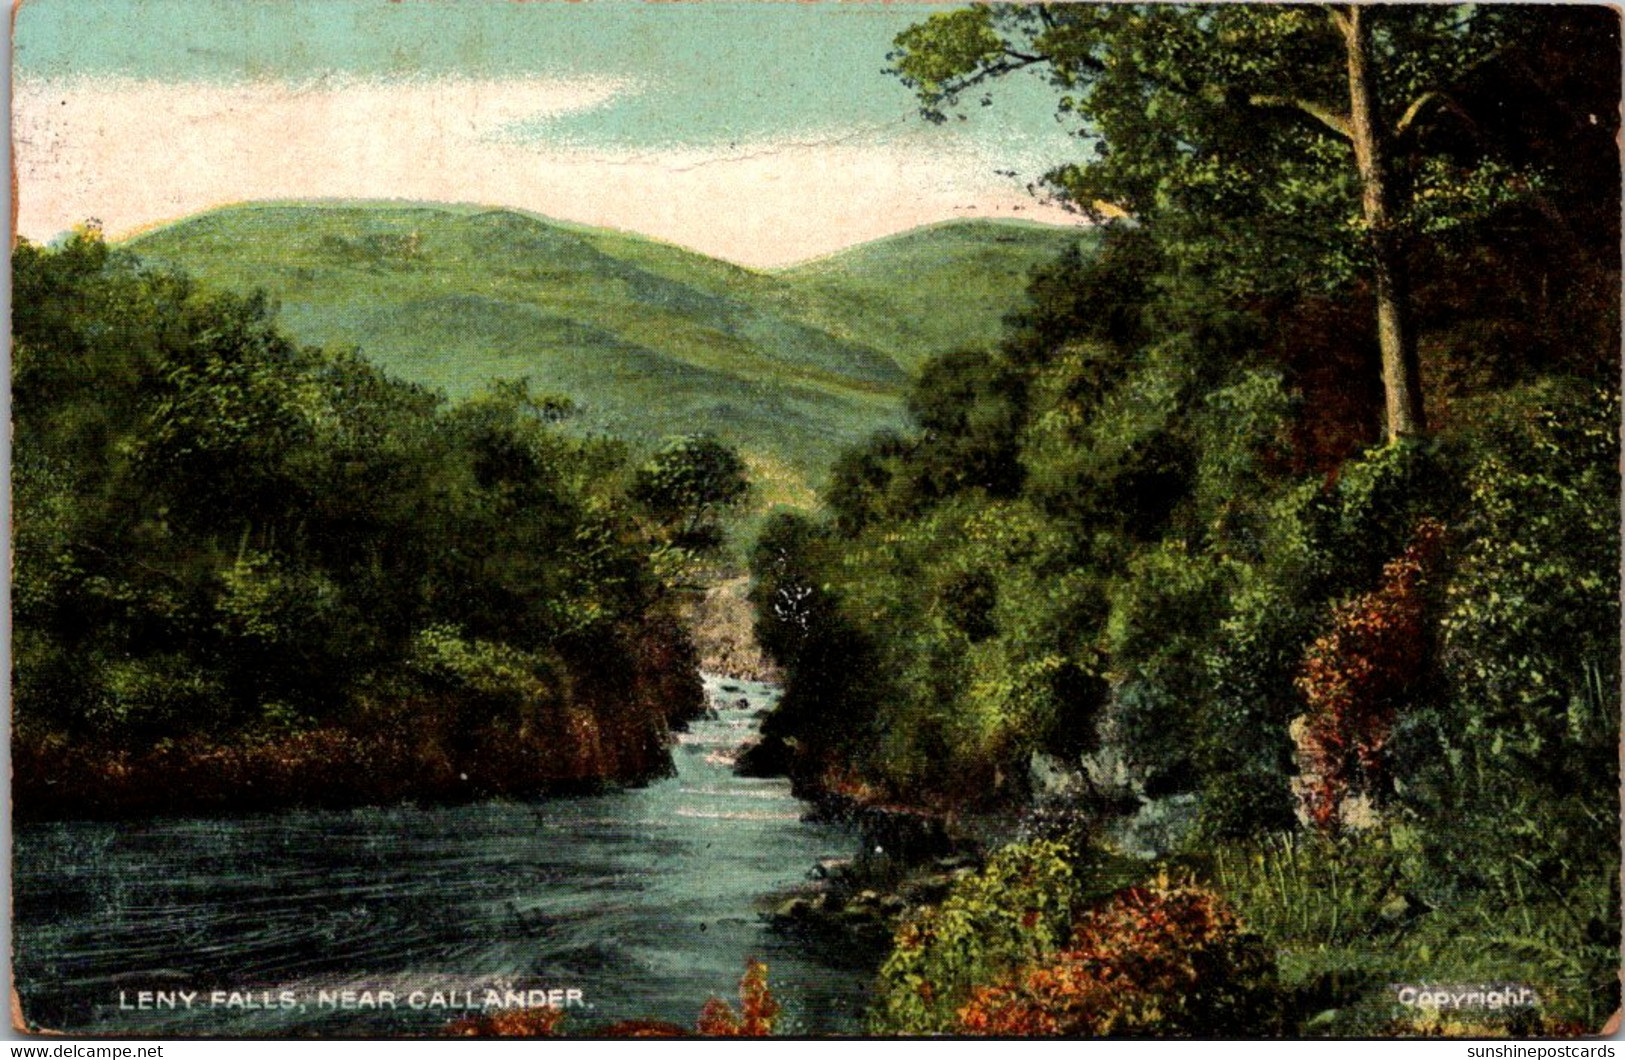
[(758, 1010), (153, 697), (1515, 765), (1316, 543), (1243, 752), (1356, 675), (1164, 959), (1531, 629), (510, 1023), (686, 487), (1016, 911), (1164, 613)]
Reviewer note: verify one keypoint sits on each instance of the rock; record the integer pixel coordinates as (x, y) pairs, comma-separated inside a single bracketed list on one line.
[(902, 836), (829, 868), (732, 688), (794, 909), (927, 890), (742, 703), (1051, 775), (768, 757)]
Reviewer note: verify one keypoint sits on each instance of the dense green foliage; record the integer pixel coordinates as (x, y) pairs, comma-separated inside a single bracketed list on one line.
[(648, 339), (1160, 533), (1016, 911), (1280, 149), (689, 486), (1349, 916), (227, 541), (1239, 113)]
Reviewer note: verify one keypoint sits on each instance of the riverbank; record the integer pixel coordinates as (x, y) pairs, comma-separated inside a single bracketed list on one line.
[(612, 730), (321, 768)]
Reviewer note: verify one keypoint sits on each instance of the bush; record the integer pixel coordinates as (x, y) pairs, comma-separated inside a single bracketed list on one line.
[(1014, 912), (1358, 675), (1531, 631), (1164, 959), (758, 1010), (1515, 765), (1164, 613), (1318, 543), (1243, 752), (687, 485), (510, 1023)]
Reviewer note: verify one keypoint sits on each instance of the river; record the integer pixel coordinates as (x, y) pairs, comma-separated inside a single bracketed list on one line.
[(644, 900)]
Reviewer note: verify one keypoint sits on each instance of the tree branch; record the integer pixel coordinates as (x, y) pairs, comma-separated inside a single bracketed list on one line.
[(1341, 21), (1325, 115), (1415, 109), (999, 69)]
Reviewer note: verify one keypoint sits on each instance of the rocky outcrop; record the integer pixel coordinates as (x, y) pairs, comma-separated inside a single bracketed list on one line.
[(861, 907), (722, 624)]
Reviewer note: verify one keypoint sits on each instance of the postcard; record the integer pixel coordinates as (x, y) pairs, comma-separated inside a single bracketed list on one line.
[(741, 519)]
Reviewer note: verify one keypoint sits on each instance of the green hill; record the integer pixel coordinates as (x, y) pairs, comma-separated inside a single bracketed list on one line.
[(924, 291), (649, 339)]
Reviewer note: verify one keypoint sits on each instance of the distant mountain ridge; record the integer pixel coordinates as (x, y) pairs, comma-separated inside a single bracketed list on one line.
[(649, 339)]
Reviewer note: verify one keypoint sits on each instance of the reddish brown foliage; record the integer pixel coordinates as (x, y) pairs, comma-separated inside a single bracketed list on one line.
[(511, 1023), (757, 1009), (1356, 675), (757, 1013), (1161, 959), (54, 777)]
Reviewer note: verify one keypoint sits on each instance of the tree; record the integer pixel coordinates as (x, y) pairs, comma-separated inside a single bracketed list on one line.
[(269, 559), (688, 484), (1319, 139)]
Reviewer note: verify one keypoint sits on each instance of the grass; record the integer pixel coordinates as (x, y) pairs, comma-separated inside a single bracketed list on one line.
[(649, 340), (1344, 920), (1311, 890)]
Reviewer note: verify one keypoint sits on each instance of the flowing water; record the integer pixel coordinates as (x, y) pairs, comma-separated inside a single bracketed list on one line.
[(646, 901)]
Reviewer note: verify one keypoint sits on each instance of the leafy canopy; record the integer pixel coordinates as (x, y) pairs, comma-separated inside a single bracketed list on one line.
[(1194, 116)]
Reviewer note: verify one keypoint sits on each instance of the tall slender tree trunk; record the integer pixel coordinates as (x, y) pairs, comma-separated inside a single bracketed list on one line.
[(1401, 367)]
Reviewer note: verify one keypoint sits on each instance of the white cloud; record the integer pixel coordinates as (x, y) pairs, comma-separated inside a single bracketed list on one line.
[(133, 153)]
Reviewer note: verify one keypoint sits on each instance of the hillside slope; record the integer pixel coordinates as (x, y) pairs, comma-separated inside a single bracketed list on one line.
[(649, 339), (921, 292)]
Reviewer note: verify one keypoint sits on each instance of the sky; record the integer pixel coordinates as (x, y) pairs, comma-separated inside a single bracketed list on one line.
[(763, 133)]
